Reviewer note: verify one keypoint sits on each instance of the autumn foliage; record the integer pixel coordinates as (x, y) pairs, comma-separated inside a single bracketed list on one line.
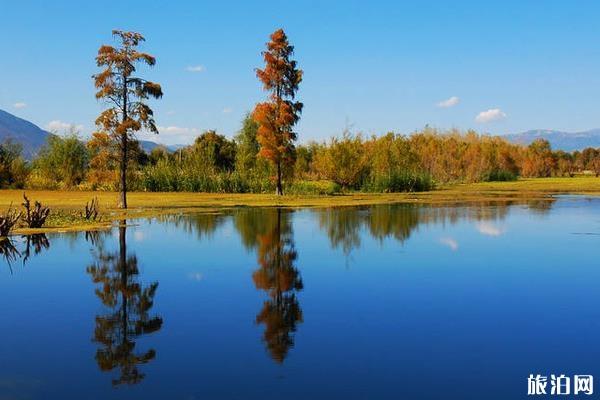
[(277, 116), (266, 146), (125, 95)]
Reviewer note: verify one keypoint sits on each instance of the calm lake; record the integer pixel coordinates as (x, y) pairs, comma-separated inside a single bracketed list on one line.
[(392, 301)]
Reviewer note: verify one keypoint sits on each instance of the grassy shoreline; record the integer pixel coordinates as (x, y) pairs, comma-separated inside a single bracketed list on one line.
[(66, 206)]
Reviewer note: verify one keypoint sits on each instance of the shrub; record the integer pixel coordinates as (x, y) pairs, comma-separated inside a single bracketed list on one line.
[(91, 210), (399, 182), (167, 177), (313, 188), (8, 221), (34, 217), (499, 176), (342, 161)]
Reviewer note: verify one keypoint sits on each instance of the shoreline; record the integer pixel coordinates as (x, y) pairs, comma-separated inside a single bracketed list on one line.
[(67, 205)]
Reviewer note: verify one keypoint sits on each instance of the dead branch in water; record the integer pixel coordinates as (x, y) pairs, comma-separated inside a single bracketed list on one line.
[(36, 217), (8, 221)]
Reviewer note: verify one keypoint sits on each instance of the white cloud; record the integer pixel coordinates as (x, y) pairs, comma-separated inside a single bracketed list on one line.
[(227, 110), (178, 130), (493, 114), (451, 243), (489, 229), (20, 104), (195, 68), (170, 112), (169, 135), (196, 276), (450, 102), (61, 126)]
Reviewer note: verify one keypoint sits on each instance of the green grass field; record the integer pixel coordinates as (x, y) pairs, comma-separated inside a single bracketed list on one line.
[(67, 206)]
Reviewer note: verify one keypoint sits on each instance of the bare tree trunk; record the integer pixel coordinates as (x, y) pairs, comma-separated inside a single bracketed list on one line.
[(124, 143), (123, 172), (279, 190)]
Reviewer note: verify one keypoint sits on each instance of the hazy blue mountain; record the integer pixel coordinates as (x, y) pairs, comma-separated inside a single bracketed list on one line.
[(32, 137), (18, 130), (567, 141), (148, 146)]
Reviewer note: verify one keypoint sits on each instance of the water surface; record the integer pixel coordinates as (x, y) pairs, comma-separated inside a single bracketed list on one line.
[(392, 301)]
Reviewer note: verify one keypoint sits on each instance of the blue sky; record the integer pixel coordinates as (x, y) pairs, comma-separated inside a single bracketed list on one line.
[(377, 66)]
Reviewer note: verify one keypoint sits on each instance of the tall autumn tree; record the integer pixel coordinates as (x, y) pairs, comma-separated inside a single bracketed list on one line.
[(277, 116), (125, 95)]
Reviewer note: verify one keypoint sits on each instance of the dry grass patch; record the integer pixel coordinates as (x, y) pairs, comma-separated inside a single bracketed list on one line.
[(68, 207)]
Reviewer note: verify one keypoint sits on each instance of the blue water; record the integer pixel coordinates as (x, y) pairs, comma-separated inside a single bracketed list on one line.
[(453, 302)]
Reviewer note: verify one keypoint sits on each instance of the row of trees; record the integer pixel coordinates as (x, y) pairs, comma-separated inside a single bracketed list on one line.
[(215, 163), (264, 155), (127, 112)]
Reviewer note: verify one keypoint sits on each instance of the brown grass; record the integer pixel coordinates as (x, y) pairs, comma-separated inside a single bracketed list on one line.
[(67, 206)]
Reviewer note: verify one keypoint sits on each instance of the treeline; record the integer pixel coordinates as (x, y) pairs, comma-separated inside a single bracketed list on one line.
[(350, 162), (264, 157)]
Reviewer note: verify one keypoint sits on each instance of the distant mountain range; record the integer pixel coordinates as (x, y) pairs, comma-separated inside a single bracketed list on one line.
[(29, 135), (567, 141), (33, 138)]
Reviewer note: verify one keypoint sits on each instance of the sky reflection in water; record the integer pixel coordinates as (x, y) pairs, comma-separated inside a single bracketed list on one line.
[(374, 302)]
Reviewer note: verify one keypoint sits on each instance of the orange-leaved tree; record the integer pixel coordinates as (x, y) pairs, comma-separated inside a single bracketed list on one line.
[(277, 116), (126, 97)]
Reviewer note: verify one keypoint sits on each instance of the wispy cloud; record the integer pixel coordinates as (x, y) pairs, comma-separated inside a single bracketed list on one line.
[(195, 68), (196, 276), (493, 114), (20, 104), (227, 110), (178, 130), (489, 229), (61, 126), (450, 242), (172, 134), (450, 102)]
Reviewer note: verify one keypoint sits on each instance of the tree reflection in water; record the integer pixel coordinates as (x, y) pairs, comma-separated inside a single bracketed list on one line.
[(345, 226), (9, 252), (38, 242), (129, 317), (269, 231)]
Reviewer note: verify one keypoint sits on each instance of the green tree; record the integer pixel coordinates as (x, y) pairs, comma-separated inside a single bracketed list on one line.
[(13, 168), (216, 150), (158, 153), (304, 159), (247, 145), (63, 159)]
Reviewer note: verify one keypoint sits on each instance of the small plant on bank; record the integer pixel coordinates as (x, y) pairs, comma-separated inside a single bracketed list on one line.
[(91, 210), (36, 217), (8, 221)]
